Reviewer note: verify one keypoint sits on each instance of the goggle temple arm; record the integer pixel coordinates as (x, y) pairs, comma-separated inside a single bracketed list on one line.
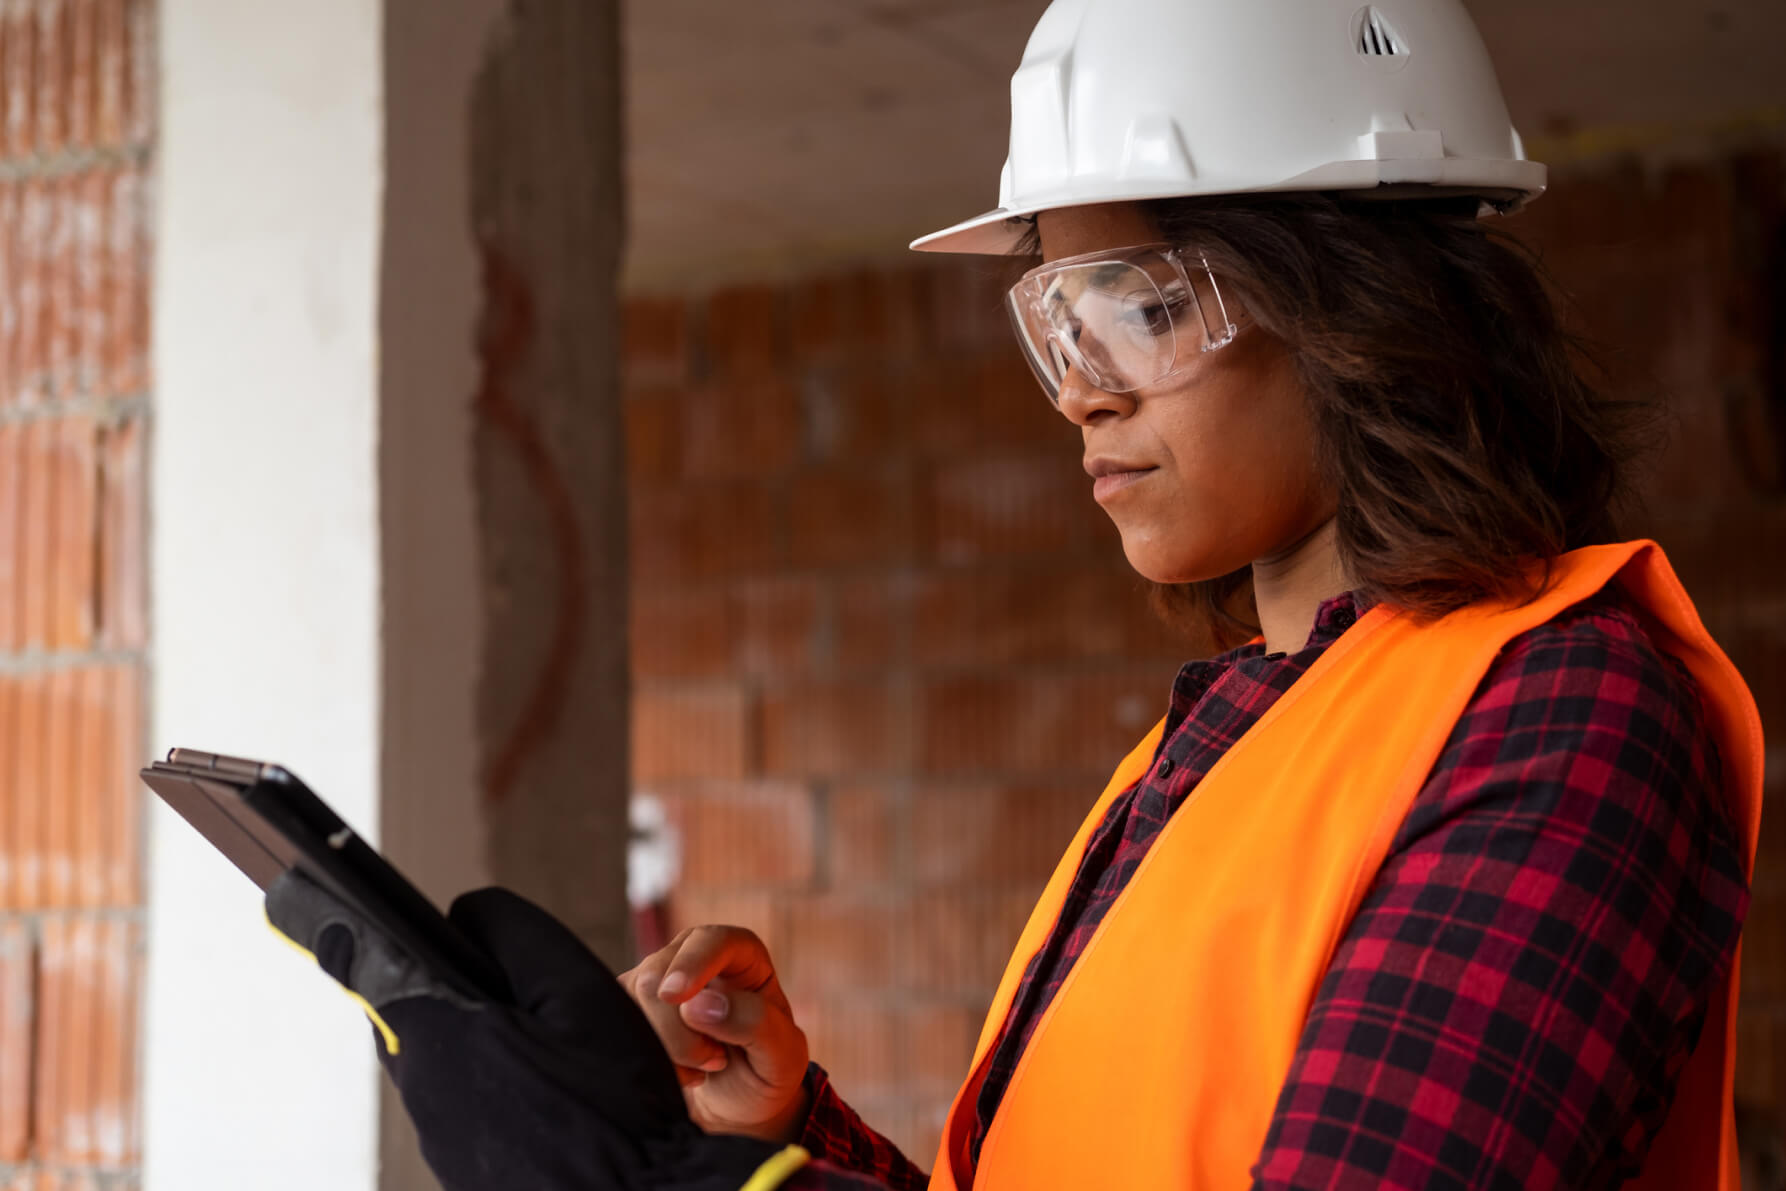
[(1214, 339)]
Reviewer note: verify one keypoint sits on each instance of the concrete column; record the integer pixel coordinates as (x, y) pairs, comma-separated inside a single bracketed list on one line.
[(325, 505), (550, 463)]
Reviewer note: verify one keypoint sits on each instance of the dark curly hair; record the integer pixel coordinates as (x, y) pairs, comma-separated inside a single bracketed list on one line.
[(1454, 412)]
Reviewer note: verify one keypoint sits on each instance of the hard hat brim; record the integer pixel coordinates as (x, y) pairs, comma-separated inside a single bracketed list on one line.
[(1504, 186)]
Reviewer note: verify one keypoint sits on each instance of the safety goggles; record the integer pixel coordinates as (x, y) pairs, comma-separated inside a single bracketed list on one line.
[(1124, 318)]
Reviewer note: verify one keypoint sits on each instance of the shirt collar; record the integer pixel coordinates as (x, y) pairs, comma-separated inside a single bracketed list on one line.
[(1334, 617)]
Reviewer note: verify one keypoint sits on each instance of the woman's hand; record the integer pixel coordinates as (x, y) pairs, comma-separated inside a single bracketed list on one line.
[(712, 996)]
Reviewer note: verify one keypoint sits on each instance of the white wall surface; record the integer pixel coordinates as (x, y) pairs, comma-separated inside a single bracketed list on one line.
[(266, 554)]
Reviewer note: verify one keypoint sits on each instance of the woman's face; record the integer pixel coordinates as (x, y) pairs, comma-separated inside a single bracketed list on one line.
[(1212, 469)]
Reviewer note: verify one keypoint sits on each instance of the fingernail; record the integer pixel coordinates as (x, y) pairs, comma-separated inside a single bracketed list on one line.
[(672, 984), (714, 1065), (709, 1006)]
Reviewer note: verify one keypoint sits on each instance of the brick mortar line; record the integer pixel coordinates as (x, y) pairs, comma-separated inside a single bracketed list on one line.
[(104, 409), (68, 162), (35, 662), (883, 896), (38, 915), (1092, 780), (989, 567), (777, 686), (105, 1177), (819, 796), (903, 1000)]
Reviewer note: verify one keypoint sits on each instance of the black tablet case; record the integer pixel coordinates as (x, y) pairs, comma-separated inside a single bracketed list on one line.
[(267, 821)]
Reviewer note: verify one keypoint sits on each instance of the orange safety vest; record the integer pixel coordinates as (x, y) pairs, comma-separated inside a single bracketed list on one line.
[(1159, 1062)]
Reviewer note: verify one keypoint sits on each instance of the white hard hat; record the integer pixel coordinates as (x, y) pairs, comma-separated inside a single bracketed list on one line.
[(1140, 99)]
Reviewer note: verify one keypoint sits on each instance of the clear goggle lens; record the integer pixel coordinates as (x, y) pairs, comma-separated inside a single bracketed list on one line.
[(1124, 320)]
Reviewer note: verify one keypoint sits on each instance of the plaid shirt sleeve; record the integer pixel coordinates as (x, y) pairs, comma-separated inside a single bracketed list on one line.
[(847, 1154), (1517, 996)]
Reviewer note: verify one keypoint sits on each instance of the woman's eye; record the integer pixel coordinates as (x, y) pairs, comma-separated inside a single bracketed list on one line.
[(1156, 317)]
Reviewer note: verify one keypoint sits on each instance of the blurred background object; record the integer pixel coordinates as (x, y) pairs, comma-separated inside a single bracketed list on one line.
[(653, 866), (414, 392), (1763, 1148)]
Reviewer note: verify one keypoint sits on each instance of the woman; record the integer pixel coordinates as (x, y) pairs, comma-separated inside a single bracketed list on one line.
[(1435, 878)]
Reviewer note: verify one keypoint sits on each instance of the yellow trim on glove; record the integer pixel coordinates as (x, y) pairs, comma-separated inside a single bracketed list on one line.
[(777, 1170), (384, 1031)]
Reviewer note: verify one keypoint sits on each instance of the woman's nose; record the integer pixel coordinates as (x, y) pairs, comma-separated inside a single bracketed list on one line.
[(1081, 402)]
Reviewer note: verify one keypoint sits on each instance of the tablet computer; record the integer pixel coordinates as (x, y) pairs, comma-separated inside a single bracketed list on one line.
[(266, 821)]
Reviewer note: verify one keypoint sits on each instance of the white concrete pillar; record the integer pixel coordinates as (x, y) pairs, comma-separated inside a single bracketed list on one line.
[(314, 538)]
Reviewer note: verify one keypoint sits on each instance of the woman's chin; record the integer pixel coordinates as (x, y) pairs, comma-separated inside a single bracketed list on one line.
[(1174, 567)]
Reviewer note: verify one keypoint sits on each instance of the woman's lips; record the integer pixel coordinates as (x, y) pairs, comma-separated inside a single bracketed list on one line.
[(1109, 484)]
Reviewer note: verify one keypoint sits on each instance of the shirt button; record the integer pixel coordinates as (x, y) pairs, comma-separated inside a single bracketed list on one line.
[(1165, 768)]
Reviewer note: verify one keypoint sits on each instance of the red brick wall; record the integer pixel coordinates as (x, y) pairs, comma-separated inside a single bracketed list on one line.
[(75, 128), (886, 649)]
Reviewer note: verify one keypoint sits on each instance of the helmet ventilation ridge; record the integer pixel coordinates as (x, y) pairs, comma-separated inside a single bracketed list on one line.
[(1377, 38)]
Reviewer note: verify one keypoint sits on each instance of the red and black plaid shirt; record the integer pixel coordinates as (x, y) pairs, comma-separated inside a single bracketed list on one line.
[(1518, 993)]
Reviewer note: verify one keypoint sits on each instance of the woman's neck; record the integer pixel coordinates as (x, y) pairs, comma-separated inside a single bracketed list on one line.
[(1289, 588)]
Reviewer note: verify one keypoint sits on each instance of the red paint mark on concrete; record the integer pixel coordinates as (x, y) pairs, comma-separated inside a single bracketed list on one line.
[(505, 337)]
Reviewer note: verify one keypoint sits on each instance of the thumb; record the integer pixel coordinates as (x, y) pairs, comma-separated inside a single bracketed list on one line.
[(360, 957), (760, 1026)]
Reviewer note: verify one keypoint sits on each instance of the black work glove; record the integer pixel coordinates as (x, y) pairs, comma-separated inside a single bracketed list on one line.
[(566, 1089)]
